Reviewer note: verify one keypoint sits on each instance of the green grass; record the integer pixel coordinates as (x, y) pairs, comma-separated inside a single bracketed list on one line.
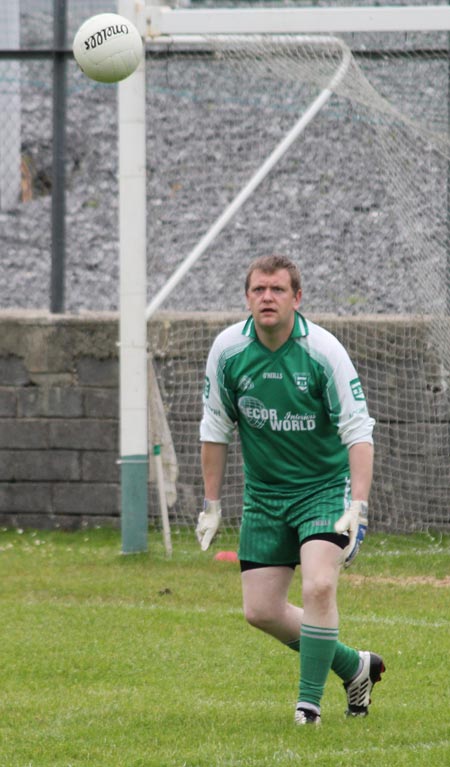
[(141, 661)]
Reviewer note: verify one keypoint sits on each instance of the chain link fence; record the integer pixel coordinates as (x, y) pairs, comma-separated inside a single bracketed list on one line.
[(58, 171), (59, 157)]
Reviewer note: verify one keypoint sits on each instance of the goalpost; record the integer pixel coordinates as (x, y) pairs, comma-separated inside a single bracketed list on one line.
[(229, 73)]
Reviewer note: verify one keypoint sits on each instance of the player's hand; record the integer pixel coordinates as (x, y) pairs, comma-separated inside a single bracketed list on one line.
[(354, 522), (208, 523)]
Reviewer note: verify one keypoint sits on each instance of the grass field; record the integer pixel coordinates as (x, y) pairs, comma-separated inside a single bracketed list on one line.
[(140, 661)]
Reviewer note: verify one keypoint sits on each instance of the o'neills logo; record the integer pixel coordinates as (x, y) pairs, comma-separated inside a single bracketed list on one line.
[(105, 34), (257, 415)]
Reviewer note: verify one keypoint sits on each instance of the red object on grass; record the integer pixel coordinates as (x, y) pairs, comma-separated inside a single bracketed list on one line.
[(226, 556)]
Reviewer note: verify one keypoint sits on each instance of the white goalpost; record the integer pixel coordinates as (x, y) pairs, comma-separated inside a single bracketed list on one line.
[(134, 452), (295, 65)]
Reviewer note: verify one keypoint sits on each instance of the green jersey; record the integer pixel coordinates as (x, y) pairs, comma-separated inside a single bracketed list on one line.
[(297, 409)]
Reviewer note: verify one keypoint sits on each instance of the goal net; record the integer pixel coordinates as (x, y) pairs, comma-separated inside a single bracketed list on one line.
[(360, 201)]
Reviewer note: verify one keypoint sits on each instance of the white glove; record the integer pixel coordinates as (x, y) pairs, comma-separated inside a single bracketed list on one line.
[(208, 523), (354, 522)]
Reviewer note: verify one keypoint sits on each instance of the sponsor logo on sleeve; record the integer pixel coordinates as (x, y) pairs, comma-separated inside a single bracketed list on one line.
[(357, 389)]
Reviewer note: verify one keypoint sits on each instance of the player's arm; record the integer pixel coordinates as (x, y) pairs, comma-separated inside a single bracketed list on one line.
[(354, 520), (216, 430), (355, 428), (360, 456), (214, 460)]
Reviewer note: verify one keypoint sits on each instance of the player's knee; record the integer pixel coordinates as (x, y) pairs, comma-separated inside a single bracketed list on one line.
[(260, 616), (320, 590)]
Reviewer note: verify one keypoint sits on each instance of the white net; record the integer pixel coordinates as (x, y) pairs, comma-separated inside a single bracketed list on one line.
[(360, 201)]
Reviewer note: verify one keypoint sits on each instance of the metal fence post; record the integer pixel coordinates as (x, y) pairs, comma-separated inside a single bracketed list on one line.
[(59, 145)]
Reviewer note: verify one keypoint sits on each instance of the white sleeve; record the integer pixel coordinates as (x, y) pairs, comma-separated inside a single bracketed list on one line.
[(346, 399), (216, 424)]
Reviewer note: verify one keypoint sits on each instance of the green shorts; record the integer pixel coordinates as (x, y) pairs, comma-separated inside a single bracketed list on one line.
[(272, 530)]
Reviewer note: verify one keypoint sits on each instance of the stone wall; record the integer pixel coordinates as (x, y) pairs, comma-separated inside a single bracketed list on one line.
[(59, 420), (59, 414)]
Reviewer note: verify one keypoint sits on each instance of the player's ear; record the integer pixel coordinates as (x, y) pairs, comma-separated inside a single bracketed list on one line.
[(297, 298)]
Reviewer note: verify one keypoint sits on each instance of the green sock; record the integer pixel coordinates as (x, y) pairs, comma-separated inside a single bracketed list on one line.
[(345, 662), (317, 650)]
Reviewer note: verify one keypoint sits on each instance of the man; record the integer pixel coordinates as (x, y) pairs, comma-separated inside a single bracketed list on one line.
[(307, 447)]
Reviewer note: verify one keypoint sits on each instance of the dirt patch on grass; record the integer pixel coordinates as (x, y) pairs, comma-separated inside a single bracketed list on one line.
[(401, 580)]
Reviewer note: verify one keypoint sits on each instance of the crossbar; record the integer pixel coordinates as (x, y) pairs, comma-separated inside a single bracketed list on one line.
[(163, 20)]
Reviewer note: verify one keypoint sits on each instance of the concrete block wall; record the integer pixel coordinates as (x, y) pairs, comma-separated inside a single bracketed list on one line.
[(59, 415), (58, 420)]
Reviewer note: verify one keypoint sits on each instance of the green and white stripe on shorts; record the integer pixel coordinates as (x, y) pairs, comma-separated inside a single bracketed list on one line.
[(273, 529)]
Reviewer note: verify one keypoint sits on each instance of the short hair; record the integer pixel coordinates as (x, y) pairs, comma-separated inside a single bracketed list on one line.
[(271, 264)]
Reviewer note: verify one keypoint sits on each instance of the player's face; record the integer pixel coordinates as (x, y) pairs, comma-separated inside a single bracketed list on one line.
[(271, 299)]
